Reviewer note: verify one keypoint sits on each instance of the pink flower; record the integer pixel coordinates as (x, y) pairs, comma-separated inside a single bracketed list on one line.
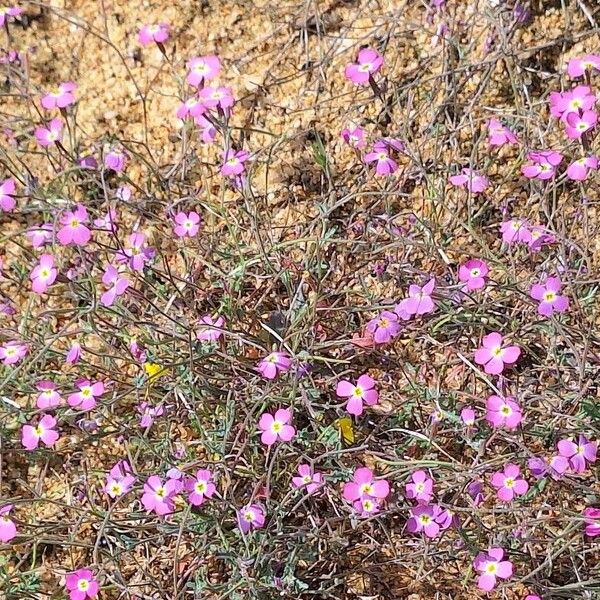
[(578, 124), (426, 519), (119, 480), (43, 274), (40, 236), (12, 352), (251, 516), (153, 33), (515, 230), (61, 98), (579, 65), (532, 597), (508, 484), (419, 301), (384, 327), (385, 164), (74, 230), (208, 130), (354, 136), (50, 135), (493, 355), (543, 164), (31, 435), (200, 487), (591, 515), (357, 393), (234, 162), (550, 301), (115, 160), (364, 486), (203, 69), (366, 506), (217, 97), (473, 181), (137, 253), (118, 284), (467, 414), (307, 479), (491, 566), (192, 106), (8, 529), (273, 364), (503, 412), (7, 189), (85, 398), (369, 62), (186, 224), (74, 354), (472, 274), (578, 454), (562, 104), (556, 467), (499, 134), (9, 11), (276, 427), (579, 169), (81, 585), (420, 488), (49, 397), (149, 413), (210, 329), (108, 221), (159, 497)]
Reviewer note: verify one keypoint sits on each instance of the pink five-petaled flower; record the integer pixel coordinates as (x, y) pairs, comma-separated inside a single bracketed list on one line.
[(202, 69), (276, 427), (271, 365), (503, 412), (81, 585), (472, 274), (186, 224), (12, 352), (354, 136), (74, 230), (159, 497), (137, 253), (43, 274), (578, 124), (48, 397), (118, 285), (515, 230), (493, 355), (153, 33), (547, 293), (369, 61), (200, 487), (578, 454), (307, 479), (491, 566), (120, 479), (8, 530), (233, 162), (591, 515), (420, 488), (419, 301), (7, 189), (357, 393), (85, 398), (62, 97), (508, 483), (251, 516), (499, 134), (579, 169), (46, 136), (210, 330), (44, 431), (384, 327), (385, 164), (217, 97), (473, 181), (364, 487), (542, 164), (428, 519), (578, 65), (115, 160)]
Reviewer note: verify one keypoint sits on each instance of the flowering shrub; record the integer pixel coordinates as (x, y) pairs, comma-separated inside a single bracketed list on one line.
[(308, 314)]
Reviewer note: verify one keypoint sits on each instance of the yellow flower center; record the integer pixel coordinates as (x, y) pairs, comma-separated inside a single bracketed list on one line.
[(161, 492), (276, 427), (200, 487), (509, 482), (83, 585), (491, 568), (549, 296), (249, 516)]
